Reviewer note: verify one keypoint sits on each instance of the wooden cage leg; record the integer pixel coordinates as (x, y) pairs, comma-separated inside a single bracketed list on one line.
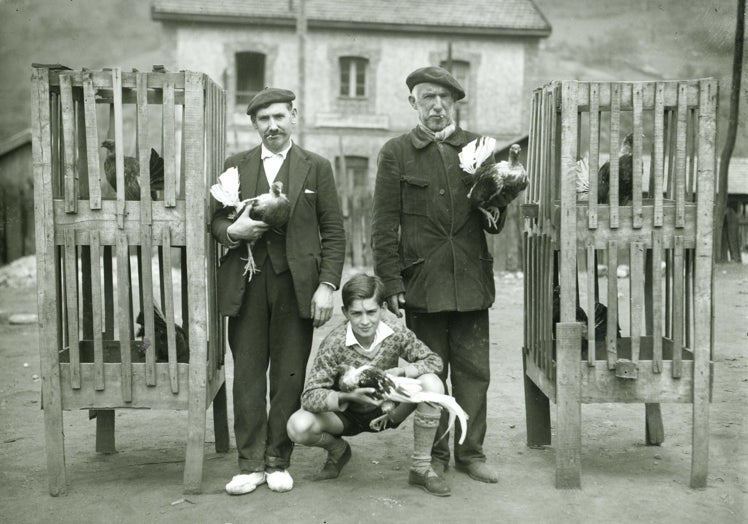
[(568, 406), (537, 412), (220, 420), (105, 431), (54, 439), (655, 431)]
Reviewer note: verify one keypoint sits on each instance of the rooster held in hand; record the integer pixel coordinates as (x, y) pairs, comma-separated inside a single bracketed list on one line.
[(132, 172), (497, 184), (394, 390)]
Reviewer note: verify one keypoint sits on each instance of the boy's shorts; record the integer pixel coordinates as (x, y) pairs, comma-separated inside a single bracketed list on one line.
[(355, 422)]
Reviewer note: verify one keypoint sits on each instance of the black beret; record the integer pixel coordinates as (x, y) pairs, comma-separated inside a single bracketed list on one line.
[(435, 75), (269, 95)]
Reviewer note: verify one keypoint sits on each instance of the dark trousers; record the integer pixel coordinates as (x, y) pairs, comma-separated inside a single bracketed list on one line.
[(270, 343), (461, 340)]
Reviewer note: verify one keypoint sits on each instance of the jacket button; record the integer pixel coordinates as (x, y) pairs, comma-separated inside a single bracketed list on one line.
[(441, 191)]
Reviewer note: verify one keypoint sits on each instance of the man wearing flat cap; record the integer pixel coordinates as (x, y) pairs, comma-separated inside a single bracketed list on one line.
[(430, 250), (272, 315)]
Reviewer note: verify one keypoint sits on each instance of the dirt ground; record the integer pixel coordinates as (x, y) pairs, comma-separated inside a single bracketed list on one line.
[(622, 479)]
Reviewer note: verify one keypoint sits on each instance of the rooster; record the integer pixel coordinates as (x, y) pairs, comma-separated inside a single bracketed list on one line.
[(132, 172), (272, 207), (495, 185), (601, 320), (161, 342), (394, 390), (625, 176)]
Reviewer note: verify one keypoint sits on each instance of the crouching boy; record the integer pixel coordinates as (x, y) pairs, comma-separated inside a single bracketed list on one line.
[(370, 336)]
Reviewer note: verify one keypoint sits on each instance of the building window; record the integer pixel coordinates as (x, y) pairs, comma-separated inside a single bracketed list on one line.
[(353, 76), (250, 75), (356, 175)]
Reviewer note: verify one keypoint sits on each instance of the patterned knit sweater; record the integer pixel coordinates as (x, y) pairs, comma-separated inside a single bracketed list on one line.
[(321, 391)]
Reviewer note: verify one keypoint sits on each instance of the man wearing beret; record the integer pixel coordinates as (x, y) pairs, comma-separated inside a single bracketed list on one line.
[(272, 315), (430, 250)]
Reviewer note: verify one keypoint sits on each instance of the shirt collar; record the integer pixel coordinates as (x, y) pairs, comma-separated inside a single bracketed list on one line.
[(383, 331), (266, 153), (419, 139)]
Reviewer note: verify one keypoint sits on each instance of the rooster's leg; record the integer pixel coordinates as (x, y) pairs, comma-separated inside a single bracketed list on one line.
[(492, 216)]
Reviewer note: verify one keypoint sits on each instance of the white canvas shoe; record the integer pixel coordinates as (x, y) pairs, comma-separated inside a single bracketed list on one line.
[(245, 483), (279, 481)]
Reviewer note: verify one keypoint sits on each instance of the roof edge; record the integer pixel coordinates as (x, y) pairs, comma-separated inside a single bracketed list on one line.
[(166, 16)]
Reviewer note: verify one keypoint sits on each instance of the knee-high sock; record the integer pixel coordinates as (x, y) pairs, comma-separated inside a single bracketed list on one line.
[(425, 423), (334, 445)]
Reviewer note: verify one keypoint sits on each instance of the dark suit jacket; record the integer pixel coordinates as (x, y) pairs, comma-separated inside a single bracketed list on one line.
[(315, 238)]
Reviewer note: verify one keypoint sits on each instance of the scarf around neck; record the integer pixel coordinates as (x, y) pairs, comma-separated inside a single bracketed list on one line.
[(438, 136)]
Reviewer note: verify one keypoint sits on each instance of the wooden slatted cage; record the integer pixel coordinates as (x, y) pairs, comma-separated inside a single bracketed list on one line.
[(592, 335), (119, 273)]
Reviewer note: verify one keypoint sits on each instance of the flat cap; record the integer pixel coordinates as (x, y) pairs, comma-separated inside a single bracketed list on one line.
[(269, 95), (435, 75)]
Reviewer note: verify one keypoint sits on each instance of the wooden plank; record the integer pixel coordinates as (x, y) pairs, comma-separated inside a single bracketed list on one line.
[(71, 301), (703, 342), (636, 296), (102, 79), (568, 241), (680, 158), (568, 406), (124, 316), (97, 307), (678, 298), (168, 303), (591, 298), (598, 385), (615, 130), (68, 142), (195, 194), (168, 139), (108, 293), (159, 397), (545, 301), (656, 295), (611, 335), (146, 299), (42, 149), (594, 159), (119, 140), (144, 151), (670, 95), (637, 164), (526, 304), (659, 153), (92, 143)]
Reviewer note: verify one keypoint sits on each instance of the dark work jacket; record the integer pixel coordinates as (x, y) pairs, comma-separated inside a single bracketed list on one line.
[(427, 240), (315, 238)]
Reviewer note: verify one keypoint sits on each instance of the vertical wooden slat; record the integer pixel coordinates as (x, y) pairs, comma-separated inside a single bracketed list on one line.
[(680, 157), (636, 296), (534, 335), (71, 296), (659, 152), (195, 192), (703, 282), (594, 159), (119, 140), (146, 278), (554, 163), (568, 407), (169, 144), (108, 293), (656, 294), (615, 124), (144, 151), (124, 314), (43, 110), (568, 241), (525, 289), (546, 304), (68, 139), (611, 336), (92, 141), (678, 283), (96, 310), (637, 157), (591, 298), (169, 310)]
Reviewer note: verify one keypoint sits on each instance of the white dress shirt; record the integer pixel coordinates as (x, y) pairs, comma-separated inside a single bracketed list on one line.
[(272, 162)]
